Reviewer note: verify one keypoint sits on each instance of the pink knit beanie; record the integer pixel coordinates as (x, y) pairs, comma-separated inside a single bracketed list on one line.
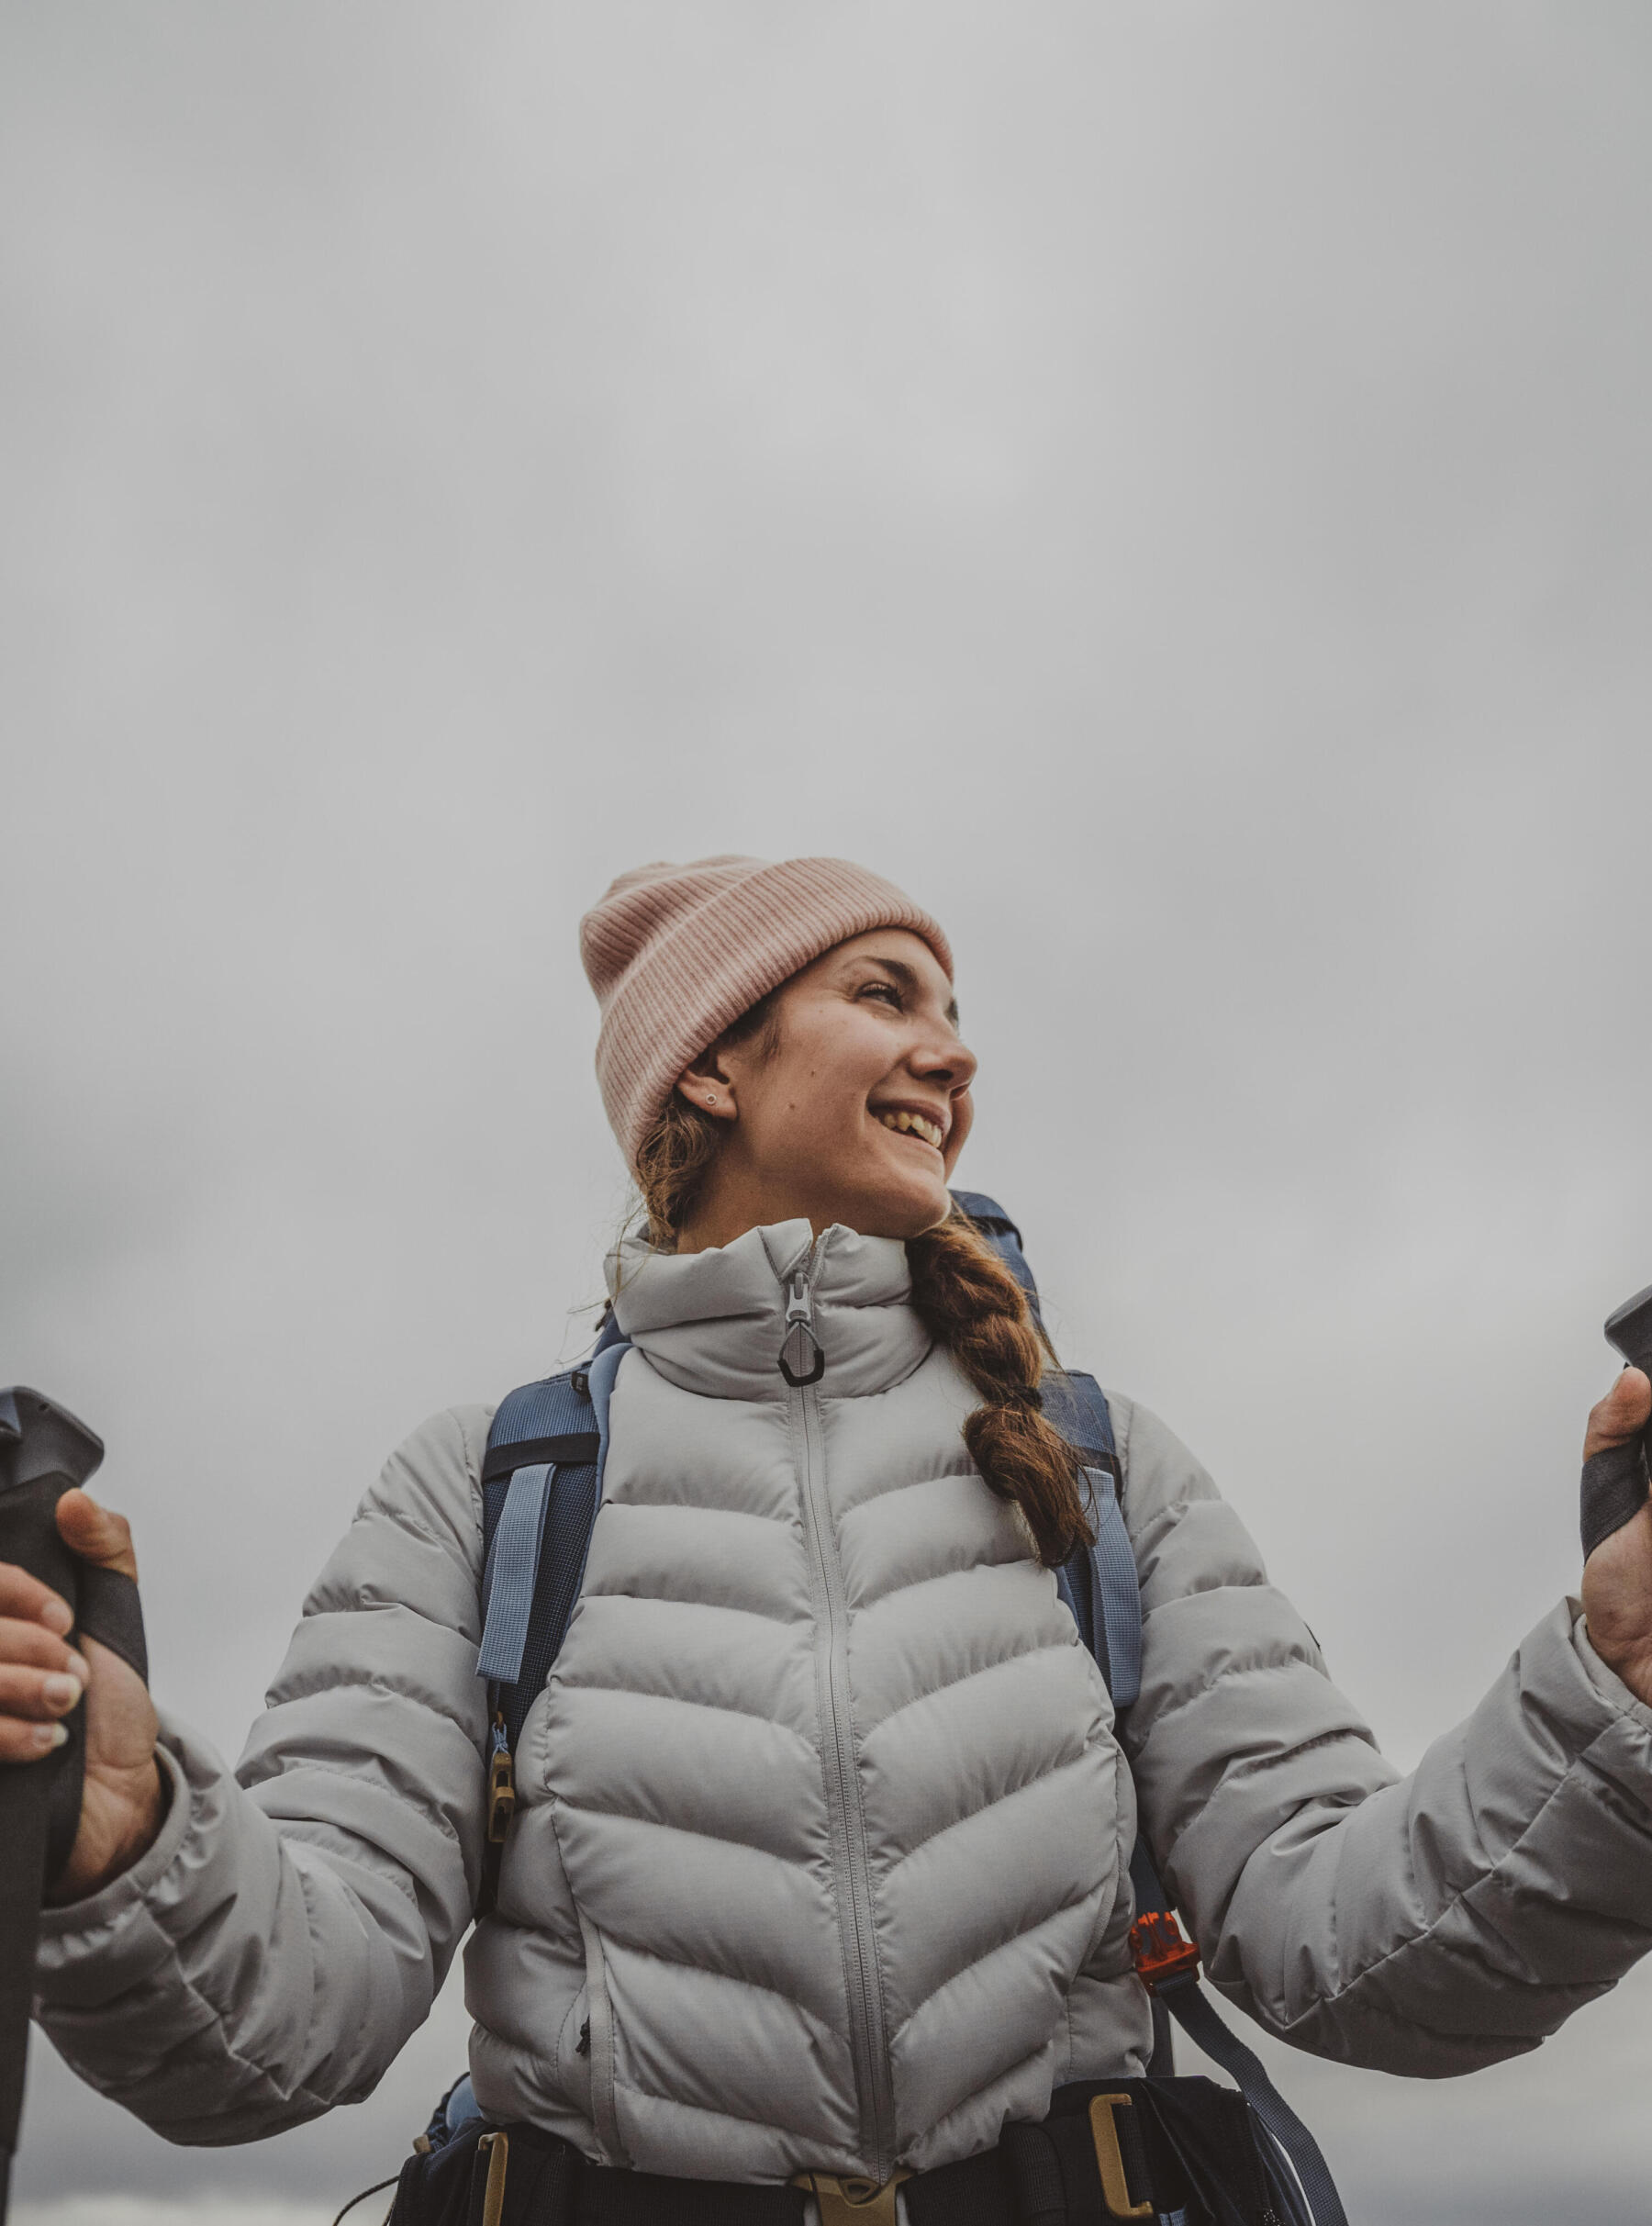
[(675, 953)]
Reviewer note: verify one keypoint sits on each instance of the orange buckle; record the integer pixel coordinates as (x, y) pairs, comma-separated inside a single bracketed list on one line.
[(1159, 1950)]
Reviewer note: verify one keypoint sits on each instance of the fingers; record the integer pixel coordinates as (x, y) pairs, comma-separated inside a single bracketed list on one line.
[(95, 1533), (25, 1596), (26, 1742), (41, 1695), (28, 1646), (1621, 1416), (42, 1678)]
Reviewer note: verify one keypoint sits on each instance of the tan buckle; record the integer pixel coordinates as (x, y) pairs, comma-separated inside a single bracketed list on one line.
[(1110, 2158), (501, 1793), (852, 2202), (496, 2148)]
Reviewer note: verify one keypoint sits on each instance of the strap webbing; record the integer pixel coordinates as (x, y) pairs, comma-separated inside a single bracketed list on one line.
[(1200, 2021), (1116, 1592), (537, 1524), (1193, 2011), (512, 1569)]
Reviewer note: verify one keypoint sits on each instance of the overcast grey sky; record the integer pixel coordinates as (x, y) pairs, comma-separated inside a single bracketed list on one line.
[(1169, 485)]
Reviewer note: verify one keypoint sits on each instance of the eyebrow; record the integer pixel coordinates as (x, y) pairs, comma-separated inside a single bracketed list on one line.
[(907, 977)]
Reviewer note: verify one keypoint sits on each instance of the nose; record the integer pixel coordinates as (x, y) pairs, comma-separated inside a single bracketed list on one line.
[(946, 1059)]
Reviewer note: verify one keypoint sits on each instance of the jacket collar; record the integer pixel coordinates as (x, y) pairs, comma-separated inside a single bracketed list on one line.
[(713, 1322)]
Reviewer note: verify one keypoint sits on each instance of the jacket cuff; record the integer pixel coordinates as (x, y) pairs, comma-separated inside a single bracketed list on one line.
[(1607, 1682), (115, 1925)]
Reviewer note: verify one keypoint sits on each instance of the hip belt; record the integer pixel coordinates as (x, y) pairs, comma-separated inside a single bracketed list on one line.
[(1161, 2152)]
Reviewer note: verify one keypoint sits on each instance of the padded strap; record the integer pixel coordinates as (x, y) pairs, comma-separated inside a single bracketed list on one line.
[(1613, 1491), (604, 1367), (975, 2192), (1116, 1594), (537, 1523), (613, 2196), (1002, 1234), (1101, 1586), (1075, 1405)]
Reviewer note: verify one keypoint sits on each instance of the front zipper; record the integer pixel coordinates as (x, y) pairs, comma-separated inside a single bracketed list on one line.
[(802, 1362)]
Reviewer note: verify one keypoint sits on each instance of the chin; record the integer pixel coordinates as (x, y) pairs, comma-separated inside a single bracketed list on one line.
[(904, 1210)]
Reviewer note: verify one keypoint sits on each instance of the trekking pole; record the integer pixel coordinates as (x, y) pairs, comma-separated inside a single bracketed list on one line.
[(44, 1452), (1615, 1482)]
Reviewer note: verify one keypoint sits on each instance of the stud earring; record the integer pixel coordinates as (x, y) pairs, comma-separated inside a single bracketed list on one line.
[(711, 1097)]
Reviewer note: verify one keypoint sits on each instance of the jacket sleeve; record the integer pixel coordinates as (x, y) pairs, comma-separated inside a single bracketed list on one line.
[(293, 1922), (1428, 1924)]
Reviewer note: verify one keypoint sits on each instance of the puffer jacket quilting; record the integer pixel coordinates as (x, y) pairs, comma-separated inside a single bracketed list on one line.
[(820, 1857), (823, 1761)]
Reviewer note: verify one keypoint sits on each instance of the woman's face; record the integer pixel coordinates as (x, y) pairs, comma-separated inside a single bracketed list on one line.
[(852, 1107)]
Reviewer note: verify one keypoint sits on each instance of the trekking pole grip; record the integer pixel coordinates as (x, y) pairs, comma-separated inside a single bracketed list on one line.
[(44, 1452), (1614, 1483)]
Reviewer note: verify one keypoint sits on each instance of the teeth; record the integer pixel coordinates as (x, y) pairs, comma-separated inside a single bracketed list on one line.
[(905, 1123)]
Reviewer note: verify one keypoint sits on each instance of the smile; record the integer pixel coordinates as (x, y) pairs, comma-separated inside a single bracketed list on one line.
[(904, 1123)]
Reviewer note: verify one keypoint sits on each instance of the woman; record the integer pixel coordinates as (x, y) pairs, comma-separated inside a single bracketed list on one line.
[(820, 1857)]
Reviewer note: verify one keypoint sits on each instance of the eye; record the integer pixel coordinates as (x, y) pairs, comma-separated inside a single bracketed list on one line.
[(885, 990)]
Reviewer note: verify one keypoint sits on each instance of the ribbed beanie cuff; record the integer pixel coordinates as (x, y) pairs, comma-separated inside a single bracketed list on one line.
[(676, 954)]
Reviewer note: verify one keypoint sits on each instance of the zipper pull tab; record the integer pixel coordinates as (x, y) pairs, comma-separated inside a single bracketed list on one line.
[(501, 1782), (801, 1361)]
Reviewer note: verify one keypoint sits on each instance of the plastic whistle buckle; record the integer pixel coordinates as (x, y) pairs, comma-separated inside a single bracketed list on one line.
[(1160, 1951), (501, 1793)]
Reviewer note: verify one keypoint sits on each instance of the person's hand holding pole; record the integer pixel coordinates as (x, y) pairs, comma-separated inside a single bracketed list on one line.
[(42, 1677), (1617, 1575)]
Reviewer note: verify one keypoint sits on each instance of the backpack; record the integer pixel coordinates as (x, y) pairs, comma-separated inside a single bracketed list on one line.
[(542, 1485)]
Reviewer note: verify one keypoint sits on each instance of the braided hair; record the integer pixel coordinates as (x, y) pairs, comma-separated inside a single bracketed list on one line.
[(969, 1302), (963, 1293)]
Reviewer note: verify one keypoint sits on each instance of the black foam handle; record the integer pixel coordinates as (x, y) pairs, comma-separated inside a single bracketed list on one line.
[(1630, 1329), (44, 1452), (1614, 1483)]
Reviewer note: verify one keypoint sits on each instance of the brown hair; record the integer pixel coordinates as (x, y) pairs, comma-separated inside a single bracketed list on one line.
[(963, 1293), (969, 1302), (681, 1144)]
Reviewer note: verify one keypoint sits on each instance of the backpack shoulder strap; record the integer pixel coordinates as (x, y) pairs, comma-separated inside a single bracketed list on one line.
[(1002, 1234), (542, 1485), (1099, 1582)]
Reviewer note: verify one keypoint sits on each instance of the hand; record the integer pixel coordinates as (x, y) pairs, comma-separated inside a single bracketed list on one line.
[(1617, 1577), (41, 1676)]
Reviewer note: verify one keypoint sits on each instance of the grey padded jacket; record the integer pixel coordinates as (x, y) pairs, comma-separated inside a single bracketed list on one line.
[(821, 1853)]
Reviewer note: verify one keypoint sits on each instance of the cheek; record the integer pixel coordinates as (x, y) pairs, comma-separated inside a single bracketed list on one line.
[(958, 1136)]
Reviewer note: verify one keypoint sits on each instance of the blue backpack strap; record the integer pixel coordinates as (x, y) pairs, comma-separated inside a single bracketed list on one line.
[(542, 1484), (1002, 1234), (1101, 1586), (1099, 1582)]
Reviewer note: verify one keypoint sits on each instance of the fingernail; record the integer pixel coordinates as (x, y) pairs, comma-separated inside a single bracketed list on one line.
[(56, 1616), (62, 1693), (50, 1735), (79, 1668)]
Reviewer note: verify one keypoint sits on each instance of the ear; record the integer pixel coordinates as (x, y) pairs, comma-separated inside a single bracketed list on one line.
[(707, 1088)]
